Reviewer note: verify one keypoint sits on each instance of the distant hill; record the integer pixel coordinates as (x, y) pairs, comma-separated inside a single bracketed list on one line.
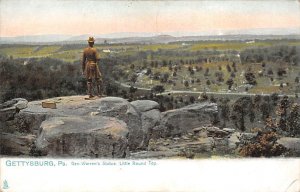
[(35, 39), (151, 38)]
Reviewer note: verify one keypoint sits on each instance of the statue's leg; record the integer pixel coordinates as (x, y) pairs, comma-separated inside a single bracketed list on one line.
[(89, 86), (99, 90)]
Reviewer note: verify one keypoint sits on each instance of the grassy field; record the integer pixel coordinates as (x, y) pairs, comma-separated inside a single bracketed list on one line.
[(71, 53)]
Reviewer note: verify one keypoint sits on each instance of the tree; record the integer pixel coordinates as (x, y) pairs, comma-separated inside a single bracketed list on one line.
[(239, 111), (232, 75), (281, 71), (165, 63), (158, 89), (224, 110), (294, 120), (156, 76), (206, 72), (229, 82), (282, 113), (270, 72), (250, 78), (132, 89), (265, 109), (164, 78), (186, 83), (228, 68), (132, 66), (192, 99), (133, 78), (208, 82), (220, 76)]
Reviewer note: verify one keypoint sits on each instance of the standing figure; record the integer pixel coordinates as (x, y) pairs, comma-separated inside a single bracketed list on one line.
[(90, 67)]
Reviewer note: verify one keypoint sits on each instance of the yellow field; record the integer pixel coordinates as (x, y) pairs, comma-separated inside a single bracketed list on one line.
[(18, 52), (155, 47), (228, 45), (47, 50)]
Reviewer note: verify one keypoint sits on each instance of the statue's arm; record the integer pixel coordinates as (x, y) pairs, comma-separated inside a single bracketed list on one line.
[(83, 62)]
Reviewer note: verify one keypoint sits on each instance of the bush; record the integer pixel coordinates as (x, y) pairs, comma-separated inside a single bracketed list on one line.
[(263, 145)]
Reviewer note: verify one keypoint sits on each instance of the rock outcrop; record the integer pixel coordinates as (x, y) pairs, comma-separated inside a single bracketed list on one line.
[(112, 127), (202, 142), (145, 105), (16, 144), (150, 117), (123, 110), (87, 136), (180, 121), (105, 127), (292, 144)]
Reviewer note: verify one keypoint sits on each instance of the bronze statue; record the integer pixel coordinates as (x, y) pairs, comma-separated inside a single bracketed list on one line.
[(90, 67)]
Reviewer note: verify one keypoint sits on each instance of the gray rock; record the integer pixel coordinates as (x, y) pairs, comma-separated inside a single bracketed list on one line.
[(293, 144), (203, 145), (221, 146), (234, 141), (21, 103), (183, 120), (150, 119), (247, 136), (26, 123), (123, 110), (215, 132), (229, 130), (83, 137), (155, 154), (145, 105), (16, 144), (10, 108)]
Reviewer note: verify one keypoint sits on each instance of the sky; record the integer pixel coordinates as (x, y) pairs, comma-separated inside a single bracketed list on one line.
[(75, 17)]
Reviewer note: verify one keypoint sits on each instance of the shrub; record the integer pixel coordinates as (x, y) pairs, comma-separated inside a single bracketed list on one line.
[(263, 145)]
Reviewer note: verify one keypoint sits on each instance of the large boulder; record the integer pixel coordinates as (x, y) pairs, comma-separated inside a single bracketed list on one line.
[(183, 120), (16, 144), (292, 144), (87, 136), (150, 119), (123, 110), (145, 105)]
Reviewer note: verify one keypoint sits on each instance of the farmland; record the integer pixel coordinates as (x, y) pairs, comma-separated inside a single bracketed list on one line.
[(207, 66)]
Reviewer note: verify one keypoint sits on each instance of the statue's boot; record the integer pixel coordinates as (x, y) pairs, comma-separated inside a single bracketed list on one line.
[(89, 86), (99, 91)]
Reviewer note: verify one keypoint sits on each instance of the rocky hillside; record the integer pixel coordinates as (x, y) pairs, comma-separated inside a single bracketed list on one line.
[(112, 127)]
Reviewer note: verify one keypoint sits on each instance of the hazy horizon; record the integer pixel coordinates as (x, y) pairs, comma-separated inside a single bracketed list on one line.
[(157, 17)]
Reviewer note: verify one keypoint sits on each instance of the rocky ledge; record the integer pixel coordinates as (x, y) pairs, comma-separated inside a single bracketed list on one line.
[(106, 127), (112, 127)]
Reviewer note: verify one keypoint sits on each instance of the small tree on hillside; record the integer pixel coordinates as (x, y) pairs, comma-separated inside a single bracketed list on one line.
[(250, 78), (294, 119), (186, 83), (229, 82), (158, 89)]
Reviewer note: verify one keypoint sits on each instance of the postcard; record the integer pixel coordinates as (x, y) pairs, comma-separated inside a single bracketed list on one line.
[(149, 95)]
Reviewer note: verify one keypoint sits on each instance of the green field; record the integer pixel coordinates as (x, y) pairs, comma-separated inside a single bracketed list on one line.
[(217, 56)]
